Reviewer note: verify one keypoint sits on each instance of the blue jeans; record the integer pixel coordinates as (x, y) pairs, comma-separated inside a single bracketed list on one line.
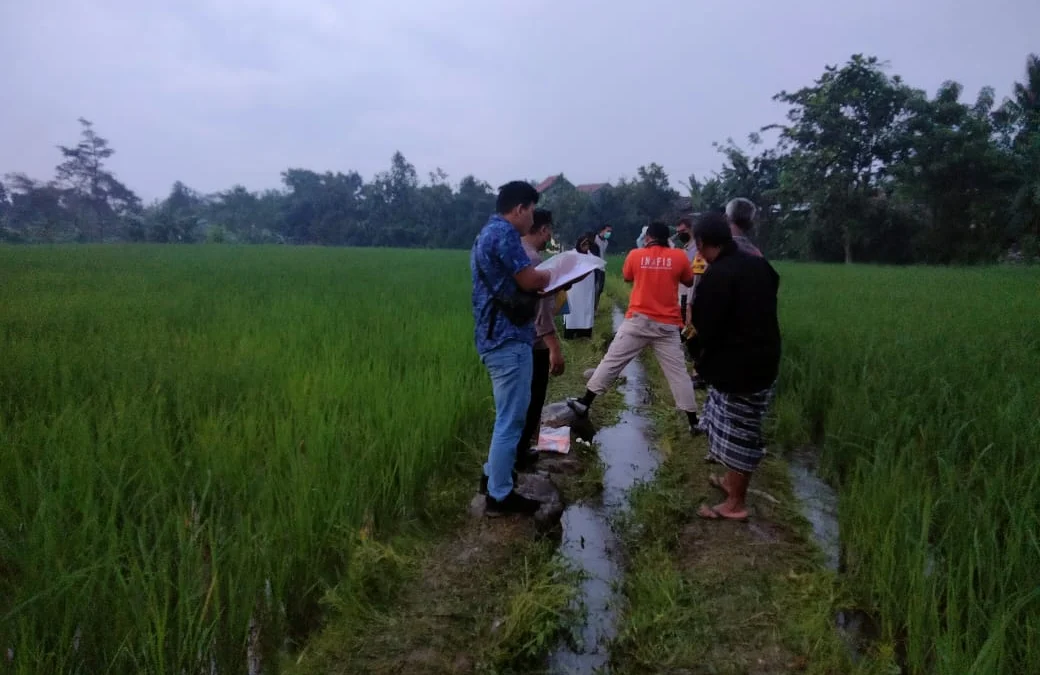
[(510, 367)]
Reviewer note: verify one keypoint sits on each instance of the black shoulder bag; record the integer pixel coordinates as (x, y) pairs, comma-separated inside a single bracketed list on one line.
[(519, 308)]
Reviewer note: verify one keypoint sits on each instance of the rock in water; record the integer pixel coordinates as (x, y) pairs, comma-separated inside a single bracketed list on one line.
[(558, 414)]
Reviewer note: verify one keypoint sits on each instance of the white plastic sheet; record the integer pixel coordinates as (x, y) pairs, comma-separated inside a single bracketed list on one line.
[(570, 266)]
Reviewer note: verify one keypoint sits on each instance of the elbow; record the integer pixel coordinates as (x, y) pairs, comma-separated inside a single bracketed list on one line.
[(534, 282)]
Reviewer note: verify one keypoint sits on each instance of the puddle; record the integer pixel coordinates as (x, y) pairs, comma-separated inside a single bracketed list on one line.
[(858, 631), (818, 503), (589, 541)]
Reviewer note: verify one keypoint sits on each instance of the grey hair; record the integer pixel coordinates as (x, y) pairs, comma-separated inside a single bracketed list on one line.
[(741, 212)]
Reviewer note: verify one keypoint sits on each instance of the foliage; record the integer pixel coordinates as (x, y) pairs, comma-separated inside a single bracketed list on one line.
[(868, 168), (865, 167), (92, 195)]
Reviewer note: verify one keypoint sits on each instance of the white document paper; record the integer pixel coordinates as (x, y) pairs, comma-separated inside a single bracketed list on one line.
[(570, 266)]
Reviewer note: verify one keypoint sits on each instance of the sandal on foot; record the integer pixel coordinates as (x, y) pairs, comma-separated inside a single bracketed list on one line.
[(711, 513)]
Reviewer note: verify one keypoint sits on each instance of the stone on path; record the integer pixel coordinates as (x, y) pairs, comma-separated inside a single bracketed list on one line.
[(559, 414), (533, 486)]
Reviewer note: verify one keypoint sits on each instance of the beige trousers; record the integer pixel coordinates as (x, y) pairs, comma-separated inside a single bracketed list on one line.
[(635, 334)]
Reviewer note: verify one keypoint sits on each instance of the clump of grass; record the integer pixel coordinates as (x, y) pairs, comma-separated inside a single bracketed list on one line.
[(541, 606), (665, 621)]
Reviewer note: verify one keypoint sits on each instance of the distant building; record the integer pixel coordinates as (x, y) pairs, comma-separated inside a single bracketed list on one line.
[(592, 188), (683, 206), (553, 184), (557, 183)]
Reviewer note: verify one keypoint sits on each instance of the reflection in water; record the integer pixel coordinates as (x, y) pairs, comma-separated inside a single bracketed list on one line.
[(818, 503)]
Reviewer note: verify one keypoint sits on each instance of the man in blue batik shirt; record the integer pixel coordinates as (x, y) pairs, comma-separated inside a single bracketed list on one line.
[(500, 268)]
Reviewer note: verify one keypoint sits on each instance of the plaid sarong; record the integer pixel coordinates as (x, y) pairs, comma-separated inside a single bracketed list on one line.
[(733, 425)]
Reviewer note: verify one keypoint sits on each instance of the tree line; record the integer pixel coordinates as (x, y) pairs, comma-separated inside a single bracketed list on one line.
[(863, 168), (867, 168)]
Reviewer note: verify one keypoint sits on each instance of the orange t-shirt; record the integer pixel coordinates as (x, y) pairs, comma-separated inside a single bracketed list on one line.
[(657, 272)]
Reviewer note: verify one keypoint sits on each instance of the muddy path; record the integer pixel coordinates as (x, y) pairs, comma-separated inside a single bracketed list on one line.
[(725, 597), (472, 594), (630, 581)]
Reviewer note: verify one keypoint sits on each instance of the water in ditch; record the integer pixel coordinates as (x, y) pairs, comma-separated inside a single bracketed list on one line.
[(589, 541)]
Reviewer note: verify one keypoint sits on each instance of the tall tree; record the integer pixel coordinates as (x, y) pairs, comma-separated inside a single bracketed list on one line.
[(1023, 110), (713, 195), (391, 202), (840, 138), (473, 203), (755, 177), (94, 194), (653, 193), (4, 205), (696, 190), (36, 211), (952, 167), (323, 208), (434, 208), (178, 218)]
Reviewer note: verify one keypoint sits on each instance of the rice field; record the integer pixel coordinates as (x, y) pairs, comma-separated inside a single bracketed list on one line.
[(196, 441), (193, 438), (922, 389)]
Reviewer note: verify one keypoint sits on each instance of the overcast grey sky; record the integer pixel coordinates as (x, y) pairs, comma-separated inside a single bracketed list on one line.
[(219, 92)]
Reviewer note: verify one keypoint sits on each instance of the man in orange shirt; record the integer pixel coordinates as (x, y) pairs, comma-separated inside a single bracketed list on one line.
[(653, 318)]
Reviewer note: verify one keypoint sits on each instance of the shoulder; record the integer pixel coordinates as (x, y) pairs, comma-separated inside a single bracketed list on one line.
[(727, 265), (497, 229), (498, 235), (749, 263), (535, 257)]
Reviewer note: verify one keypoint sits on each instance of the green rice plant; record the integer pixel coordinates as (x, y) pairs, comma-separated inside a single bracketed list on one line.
[(193, 438), (919, 386)]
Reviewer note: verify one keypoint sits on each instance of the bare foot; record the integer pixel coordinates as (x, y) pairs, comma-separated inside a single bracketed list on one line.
[(718, 482), (721, 512)]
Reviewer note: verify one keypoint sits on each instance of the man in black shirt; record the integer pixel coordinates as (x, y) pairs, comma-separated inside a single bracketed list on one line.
[(738, 347)]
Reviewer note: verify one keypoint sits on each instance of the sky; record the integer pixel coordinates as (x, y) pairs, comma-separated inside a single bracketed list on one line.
[(222, 92)]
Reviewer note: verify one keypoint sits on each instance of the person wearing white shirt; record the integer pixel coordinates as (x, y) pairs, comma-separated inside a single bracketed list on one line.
[(581, 298)]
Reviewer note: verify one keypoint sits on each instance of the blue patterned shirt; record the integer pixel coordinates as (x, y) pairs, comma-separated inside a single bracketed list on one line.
[(500, 253)]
